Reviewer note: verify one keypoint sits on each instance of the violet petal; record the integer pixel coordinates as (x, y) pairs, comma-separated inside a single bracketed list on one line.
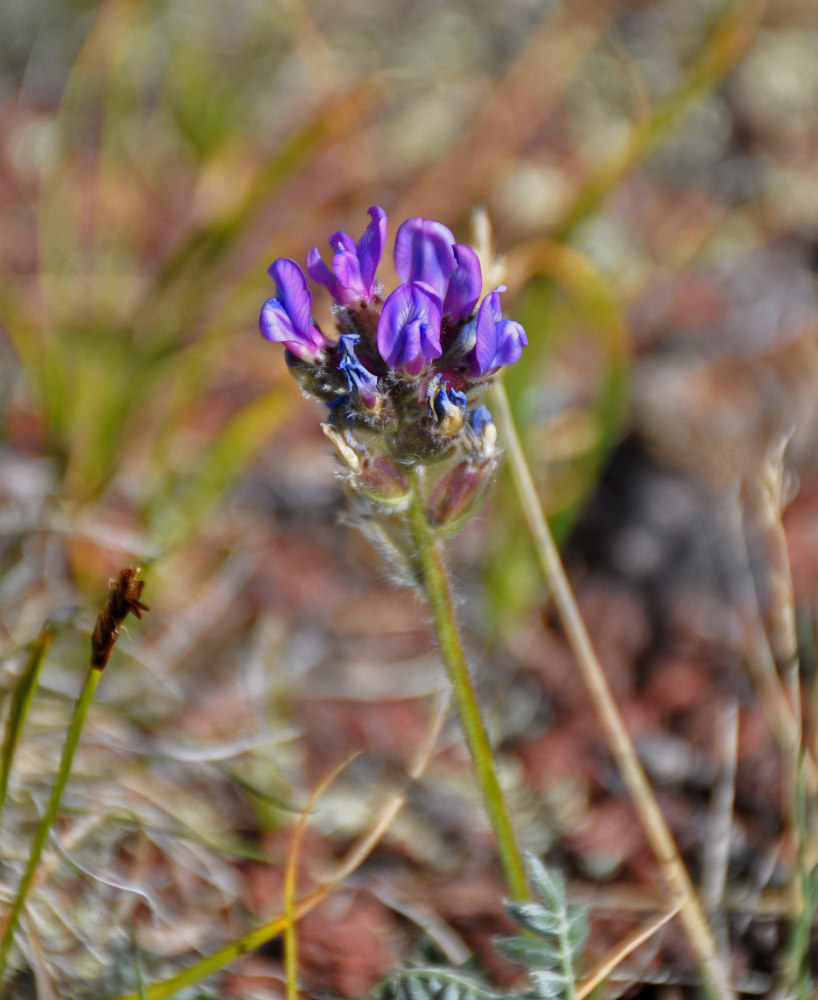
[(371, 246), (409, 328), (423, 253), (464, 284)]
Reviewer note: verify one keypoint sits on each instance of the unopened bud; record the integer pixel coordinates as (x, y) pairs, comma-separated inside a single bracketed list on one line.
[(446, 407), (382, 480), (314, 376), (343, 444), (459, 492), (482, 434)]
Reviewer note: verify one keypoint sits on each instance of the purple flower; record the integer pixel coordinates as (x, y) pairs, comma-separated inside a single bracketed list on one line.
[(498, 341), (424, 252), (352, 277), (286, 319), (359, 379), (464, 285), (409, 328)]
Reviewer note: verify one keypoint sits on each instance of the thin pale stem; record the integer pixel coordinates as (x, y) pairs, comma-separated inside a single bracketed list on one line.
[(435, 582), (83, 703), (645, 803)]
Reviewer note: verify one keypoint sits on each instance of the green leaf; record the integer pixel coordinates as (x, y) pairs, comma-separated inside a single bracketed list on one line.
[(550, 885), (535, 917), (548, 983), (530, 952)]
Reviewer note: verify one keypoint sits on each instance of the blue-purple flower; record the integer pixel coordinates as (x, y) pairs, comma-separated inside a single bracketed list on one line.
[(425, 252), (498, 341), (352, 278), (409, 328), (359, 379), (404, 377), (286, 318)]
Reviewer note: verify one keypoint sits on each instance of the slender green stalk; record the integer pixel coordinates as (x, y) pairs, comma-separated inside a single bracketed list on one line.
[(38, 842), (436, 586), (18, 709)]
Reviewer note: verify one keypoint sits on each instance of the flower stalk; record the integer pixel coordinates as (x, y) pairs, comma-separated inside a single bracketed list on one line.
[(403, 383), (435, 582)]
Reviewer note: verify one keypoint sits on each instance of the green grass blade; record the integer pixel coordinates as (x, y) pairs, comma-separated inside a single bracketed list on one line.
[(176, 518), (21, 699), (731, 32), (40, 837)]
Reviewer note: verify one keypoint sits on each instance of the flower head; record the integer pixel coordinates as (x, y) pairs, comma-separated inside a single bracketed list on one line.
[(498, 341), (404, 377), (352, 278), (286, 318), (409, 328)]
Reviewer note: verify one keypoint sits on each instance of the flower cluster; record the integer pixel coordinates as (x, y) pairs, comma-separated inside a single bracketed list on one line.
[(403, 377)]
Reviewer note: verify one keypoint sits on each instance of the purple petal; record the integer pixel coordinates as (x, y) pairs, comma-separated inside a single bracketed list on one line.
[(292, 293), (320, 273), (274, 323), (511, 339), (464, 285), (409, 328), (423, 252), (498, 341), (348, 272), (371, 246), (481, 358), (353, 264), (342, 242), (286, 318)]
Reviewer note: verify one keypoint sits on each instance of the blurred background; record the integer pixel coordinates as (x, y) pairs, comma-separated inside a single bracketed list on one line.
[(650, 171)]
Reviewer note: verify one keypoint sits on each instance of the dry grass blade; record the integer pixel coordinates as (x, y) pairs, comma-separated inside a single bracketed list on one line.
[(291, 878), (761, 665), (716, 852), (618, 954), (647, 808), (354, 859)]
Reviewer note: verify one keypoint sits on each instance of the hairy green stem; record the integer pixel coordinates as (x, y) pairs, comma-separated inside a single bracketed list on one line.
[(83, 703), (436, 587)]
